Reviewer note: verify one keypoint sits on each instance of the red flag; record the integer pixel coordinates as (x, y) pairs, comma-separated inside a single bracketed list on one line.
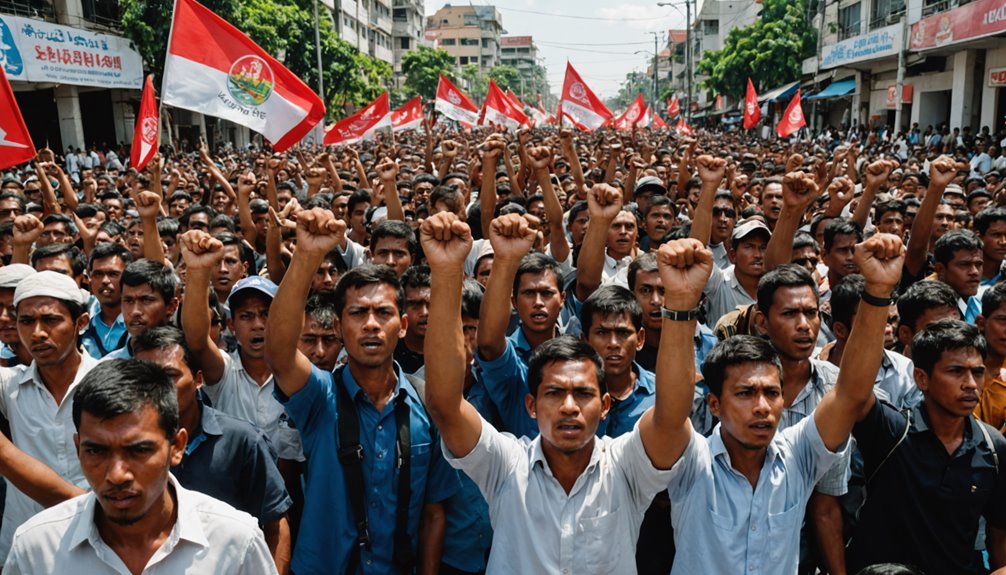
[(579, 103), (683, 128), (659, 123), (361, 124), (15, 141), (752, 113), (647, 120), (409, 116), (501, 110), (453, 103), (632, 115), (792, 119), (719, 102), (673, 108), (212, 68), (513, 98), (147, 125)]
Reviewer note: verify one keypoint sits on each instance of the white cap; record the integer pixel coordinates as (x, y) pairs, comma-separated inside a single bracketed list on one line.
[(12, 274), (49, 284)]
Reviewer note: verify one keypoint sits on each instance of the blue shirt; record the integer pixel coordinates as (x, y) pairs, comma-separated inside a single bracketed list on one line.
[(109, 337), (328, 530), (624, 413), (505, 381)]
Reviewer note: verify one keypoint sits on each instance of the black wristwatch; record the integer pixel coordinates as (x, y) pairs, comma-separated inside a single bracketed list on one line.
[(675, 315)]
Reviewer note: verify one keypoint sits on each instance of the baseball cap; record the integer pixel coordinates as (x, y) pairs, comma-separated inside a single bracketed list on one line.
[(257, 283), (978, 193), (49, 284), (749, 226), (649, 184), (953, 189)]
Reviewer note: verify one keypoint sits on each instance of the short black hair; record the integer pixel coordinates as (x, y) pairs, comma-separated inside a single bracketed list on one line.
[(732, 351), (162, 279), (921, 297), (947, 334), (955, 241), (646, 262), (985, 218), (562, 349), (840, 227), (804, 240), (845, 297), (320, 308), (357, 197), (993, 298), (398, 230), (71, 227), (579, 206), (163, 337), (365, 275), (107, 250), (661, 200), (894, 205), (416, 276), (120, 386), (610, 300), (78, 261), (471, 299), (168, 227), (536, 263), (193, 210), (787, 275)]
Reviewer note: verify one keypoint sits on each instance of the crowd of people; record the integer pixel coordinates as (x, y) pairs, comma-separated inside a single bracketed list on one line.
[(471, 351)]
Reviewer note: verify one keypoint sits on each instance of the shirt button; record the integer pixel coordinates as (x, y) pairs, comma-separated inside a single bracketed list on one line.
[(370, 562), (380, 455), (753, 528), (380, 428)]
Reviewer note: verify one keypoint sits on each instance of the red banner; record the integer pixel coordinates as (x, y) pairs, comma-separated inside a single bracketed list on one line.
[(981, 18)]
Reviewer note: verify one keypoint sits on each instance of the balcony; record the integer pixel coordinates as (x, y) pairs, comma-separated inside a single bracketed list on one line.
[(103, 12), (39, 9), (930, 7), (846, 33)]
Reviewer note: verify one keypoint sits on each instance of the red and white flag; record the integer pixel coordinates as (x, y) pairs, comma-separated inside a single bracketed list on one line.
[(632, 115), (752, 113), (579, 103), (214, 69), (647, 120), (513, 98), (147, 126), (673, 108), (792, 118), (683, 128), (500, 110), (538, 116), (15, 141), (659, 123), (453, 103), (360, 125), (409, 116)]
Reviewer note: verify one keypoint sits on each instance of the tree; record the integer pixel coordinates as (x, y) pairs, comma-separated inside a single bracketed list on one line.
[(506, 77), (477, 84), (422, 68), (769, 51)]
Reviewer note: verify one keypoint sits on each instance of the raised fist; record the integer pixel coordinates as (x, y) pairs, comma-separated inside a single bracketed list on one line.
[(27, 229), (880, 260), (446, 241), (148, 204), (511, 236), (799, 190), (200, 250), (387, 169), (319, 231), (604, 202), (943, 170), (539, 157), (711, 170), (684, 266), (841, 191)]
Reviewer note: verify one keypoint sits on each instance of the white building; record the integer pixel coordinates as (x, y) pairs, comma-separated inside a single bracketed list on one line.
[(408, 23), (712, 21)]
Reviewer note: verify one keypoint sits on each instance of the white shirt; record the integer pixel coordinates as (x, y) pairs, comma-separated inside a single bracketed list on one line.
[(209, 536), (41, 429), (238, 395), (538, 528)]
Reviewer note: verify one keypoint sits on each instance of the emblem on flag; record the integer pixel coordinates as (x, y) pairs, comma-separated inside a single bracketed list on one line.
[(250, 80)]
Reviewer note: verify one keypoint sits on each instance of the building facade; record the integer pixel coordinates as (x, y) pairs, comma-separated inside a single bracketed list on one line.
[(521, 53), (470, 34), (408, 24), (366, 24), (712, 21)]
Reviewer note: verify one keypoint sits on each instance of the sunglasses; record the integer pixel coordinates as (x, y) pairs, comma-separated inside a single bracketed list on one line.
[(805, 261), (728, 212)]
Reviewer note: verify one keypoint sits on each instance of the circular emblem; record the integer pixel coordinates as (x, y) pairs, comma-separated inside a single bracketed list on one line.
[(453, 98), (633, 114), (578, 91), (795, 116), (149, 130), (250, 80), (750, 108)]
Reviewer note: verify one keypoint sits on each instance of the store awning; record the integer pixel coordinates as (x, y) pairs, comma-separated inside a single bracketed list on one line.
[(836, 89), (779, 93)]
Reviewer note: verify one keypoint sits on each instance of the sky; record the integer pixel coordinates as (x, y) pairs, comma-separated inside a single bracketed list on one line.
[(599, 37)]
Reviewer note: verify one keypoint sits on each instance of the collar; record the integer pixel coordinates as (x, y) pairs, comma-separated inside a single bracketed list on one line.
[(920, 424), (718, 448), (31, 374), (645, 380), (236, 356), (401, 386), (538, 456), (209, 423)]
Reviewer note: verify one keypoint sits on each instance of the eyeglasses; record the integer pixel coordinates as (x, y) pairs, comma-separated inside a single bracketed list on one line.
[(728, 212), (805, 262)]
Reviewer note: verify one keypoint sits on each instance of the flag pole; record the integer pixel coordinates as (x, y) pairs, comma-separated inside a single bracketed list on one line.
[(164, 75)]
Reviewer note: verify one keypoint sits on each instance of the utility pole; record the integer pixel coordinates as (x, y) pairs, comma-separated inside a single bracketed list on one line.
[(900, 82), (656, 63), (688, 55), (319, 133)]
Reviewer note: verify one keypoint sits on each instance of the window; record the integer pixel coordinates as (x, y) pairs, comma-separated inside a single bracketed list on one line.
[(710, 27), (463, 60), (400, 15), (469, 41), (933, 6), (404, 42), (886, 12), (848, 21), (448, 42)]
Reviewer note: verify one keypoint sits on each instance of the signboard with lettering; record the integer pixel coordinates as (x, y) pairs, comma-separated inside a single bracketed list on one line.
[(907, 90), (37, 51), (974, 20), (997, 77), (879, 43)]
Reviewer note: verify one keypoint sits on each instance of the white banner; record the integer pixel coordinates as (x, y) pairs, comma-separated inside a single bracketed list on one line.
[(37, 51)]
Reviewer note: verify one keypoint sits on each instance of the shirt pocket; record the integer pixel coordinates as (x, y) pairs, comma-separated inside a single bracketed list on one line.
[(600, 550), (784, 526), (420, 457)]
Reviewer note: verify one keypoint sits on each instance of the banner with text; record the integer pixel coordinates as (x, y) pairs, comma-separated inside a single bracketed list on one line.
[(876, 44), (974, 20)]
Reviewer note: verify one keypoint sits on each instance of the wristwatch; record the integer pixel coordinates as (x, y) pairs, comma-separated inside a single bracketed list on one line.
[(675, 315)]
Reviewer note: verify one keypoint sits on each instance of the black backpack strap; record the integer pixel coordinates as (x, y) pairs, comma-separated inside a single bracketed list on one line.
[(404, 556), (351, 459), (93, 333), (904, 434)]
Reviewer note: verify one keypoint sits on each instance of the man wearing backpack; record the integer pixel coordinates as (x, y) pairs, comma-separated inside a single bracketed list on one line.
[(933, 471)]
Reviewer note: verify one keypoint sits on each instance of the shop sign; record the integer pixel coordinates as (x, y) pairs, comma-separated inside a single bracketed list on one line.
[(907, 91), (879, 43), (974, 20), (37, 51), (997, 77)]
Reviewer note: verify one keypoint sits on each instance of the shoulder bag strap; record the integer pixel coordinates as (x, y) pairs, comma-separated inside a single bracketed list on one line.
[(351, 458)]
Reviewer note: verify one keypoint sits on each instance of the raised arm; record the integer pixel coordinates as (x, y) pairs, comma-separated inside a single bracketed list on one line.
[(492, 149), (318, 232), (603, 204), (448, 151), (798, 191), (876, 174), (27, 229), (511, 239), (446, 241), (32, 477), (880, 259), (539, 159), (684, 266), (684, 172), (387, 171), (201, 253), (711, 172), (148, 204), (246, 184), (569, 151), (942, 171)]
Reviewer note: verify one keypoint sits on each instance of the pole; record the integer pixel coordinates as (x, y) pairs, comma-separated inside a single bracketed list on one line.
[(688, 55), (900, 82), (653, 96), (320, 128)]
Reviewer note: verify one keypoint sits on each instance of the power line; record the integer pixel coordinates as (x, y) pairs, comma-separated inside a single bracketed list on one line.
[(575, 49), (583, 17), (592, 43)]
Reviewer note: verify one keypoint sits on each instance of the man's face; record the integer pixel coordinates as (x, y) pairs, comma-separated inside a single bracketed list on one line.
[(616, 340), (978, 204), (370, 325), (229, 271), (283, 198), (248, 319), (724, 217), (891, 327), (771, 201), (172, 360), (357, 216), (944, 220), (994, 329), (538, 301), (417, 307), (422, 192), (126, 459), (8, 318), (649, 292), (931, 315), (622, 235), (339, 206), (392, 252), (59, 263), (33, 193), (144, 308), (994, 241), (105, 275), (749, 255), (325, 278), (892, 222), (134, 240), (805, 257), (659, 221), (199, 221), (113, 207), (792, 322), (537, 209), (840, 259), (45, 328), (750, 404), (9, 209), (568, 405), (321, 345), (910, 185), (470, 327), (483, 269), (578, 227), (953, 386), (220, 202), (178, 207), (963, 272)]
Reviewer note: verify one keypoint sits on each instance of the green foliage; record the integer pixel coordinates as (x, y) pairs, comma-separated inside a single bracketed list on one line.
[(506, 77), (635, 83), (422, 68), (769, 51)]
